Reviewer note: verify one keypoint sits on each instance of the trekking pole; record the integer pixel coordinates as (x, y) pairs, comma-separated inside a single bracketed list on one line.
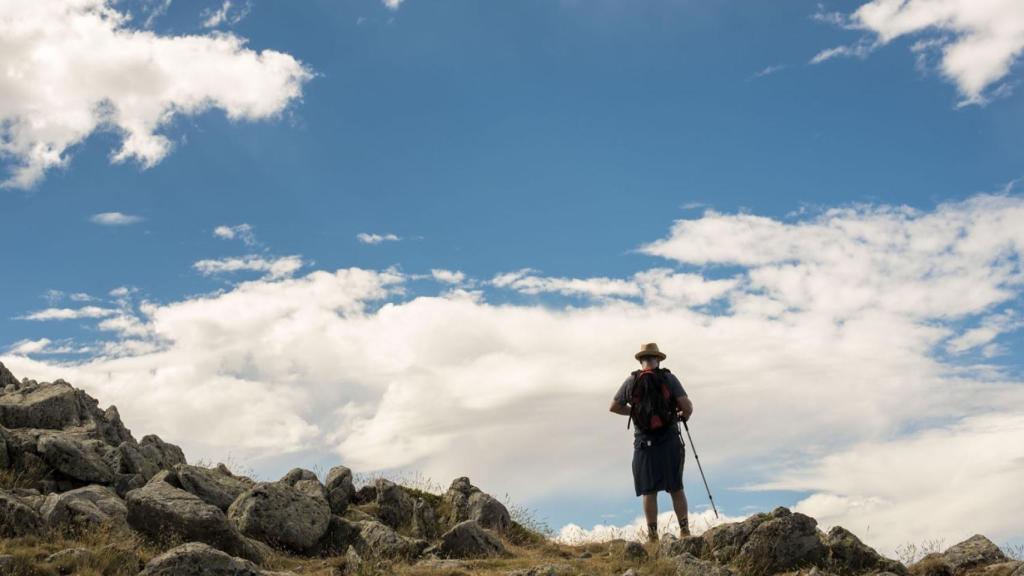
[(697, 458)]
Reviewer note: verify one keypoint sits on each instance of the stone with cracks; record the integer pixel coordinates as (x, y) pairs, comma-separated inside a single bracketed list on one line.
[(82, 506), (468, 539), (281, 515), (198, 559)]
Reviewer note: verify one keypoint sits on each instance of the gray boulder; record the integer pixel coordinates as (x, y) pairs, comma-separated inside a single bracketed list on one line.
[(131, 460), (378, 540), (80, 460), (296, 474), (83, 506), (975, 552), (467, 502), (669, 545), (279, 514), (340, 489), (689, 565), (163, 454), (160, 510), (17, 518), (394, 505), (424, 522), (198, 559), (784, 541), (5, 460), (468, 539), (211, 485), (340, 535), (848, 555)]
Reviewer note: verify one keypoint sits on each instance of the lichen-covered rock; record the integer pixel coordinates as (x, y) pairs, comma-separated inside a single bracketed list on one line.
[(689, 565), (468, 539), (340, 535), (163, 454), (296, 474), (723, 542), (669, 545), (131, 460), (340, 490), (379, 540), (198, 559), (467, 502), (784, 541), (57, 406), (211, 485), (424, 522), (848, 555), (394, 505), (278, 514), (975, 552), (160, 510), (17, 518), (80, 460), (83, 506)]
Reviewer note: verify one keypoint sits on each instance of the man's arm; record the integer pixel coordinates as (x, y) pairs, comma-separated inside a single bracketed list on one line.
[(685, 407), (619, 408)]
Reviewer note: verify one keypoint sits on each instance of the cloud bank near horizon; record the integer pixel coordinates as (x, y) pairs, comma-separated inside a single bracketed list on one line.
[(875, 330)]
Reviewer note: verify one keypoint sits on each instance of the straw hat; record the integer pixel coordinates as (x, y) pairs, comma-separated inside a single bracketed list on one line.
[(649, 349)]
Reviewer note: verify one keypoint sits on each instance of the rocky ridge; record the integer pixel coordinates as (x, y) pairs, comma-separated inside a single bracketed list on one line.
[(70, 465)]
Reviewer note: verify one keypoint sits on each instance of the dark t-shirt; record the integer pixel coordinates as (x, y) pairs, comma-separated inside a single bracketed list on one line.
[(674, 384)]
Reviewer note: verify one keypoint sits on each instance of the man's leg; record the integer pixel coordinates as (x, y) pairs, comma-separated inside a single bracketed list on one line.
[(679, 503), (651, 512)]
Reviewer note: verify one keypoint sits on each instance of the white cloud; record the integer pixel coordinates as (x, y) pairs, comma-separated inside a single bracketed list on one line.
[(228, 13), (989, 328), (274, 268), (832, 343), (393, 4), (115, 219), (366, 238), (656, 286), (81, 297), (979, 40), (69, 313), (25, 347), (891, 487), (769, 70), (241, 231), (698, 523), (73, 68), (447, 276)]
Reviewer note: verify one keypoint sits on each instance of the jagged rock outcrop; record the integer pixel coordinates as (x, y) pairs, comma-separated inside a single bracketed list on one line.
[(281, 515), (468, 539), (467, 502), (198, 559), (424, 521), (160, 510), (60, 434)]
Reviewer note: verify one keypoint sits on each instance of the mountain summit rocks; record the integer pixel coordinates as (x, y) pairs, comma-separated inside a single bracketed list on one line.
[(68, 463)]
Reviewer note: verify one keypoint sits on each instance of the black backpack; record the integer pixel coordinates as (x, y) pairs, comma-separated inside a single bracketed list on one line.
[(653, 405)]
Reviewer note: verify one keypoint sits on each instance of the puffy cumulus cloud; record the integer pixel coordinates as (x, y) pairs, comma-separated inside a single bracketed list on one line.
[(894, 486), (74, 67), (831, 340), (979, 41), (274, 268)]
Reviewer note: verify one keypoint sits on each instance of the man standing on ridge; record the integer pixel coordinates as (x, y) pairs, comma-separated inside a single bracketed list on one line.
[(658, 450)]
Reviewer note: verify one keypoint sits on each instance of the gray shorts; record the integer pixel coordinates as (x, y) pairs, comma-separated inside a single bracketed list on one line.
[(658, 466)]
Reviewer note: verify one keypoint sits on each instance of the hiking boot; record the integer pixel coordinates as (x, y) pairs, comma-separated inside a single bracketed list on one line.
[(684, 529), (652, 532)]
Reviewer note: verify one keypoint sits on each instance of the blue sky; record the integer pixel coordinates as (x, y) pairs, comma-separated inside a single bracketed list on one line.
[(559, 136)]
